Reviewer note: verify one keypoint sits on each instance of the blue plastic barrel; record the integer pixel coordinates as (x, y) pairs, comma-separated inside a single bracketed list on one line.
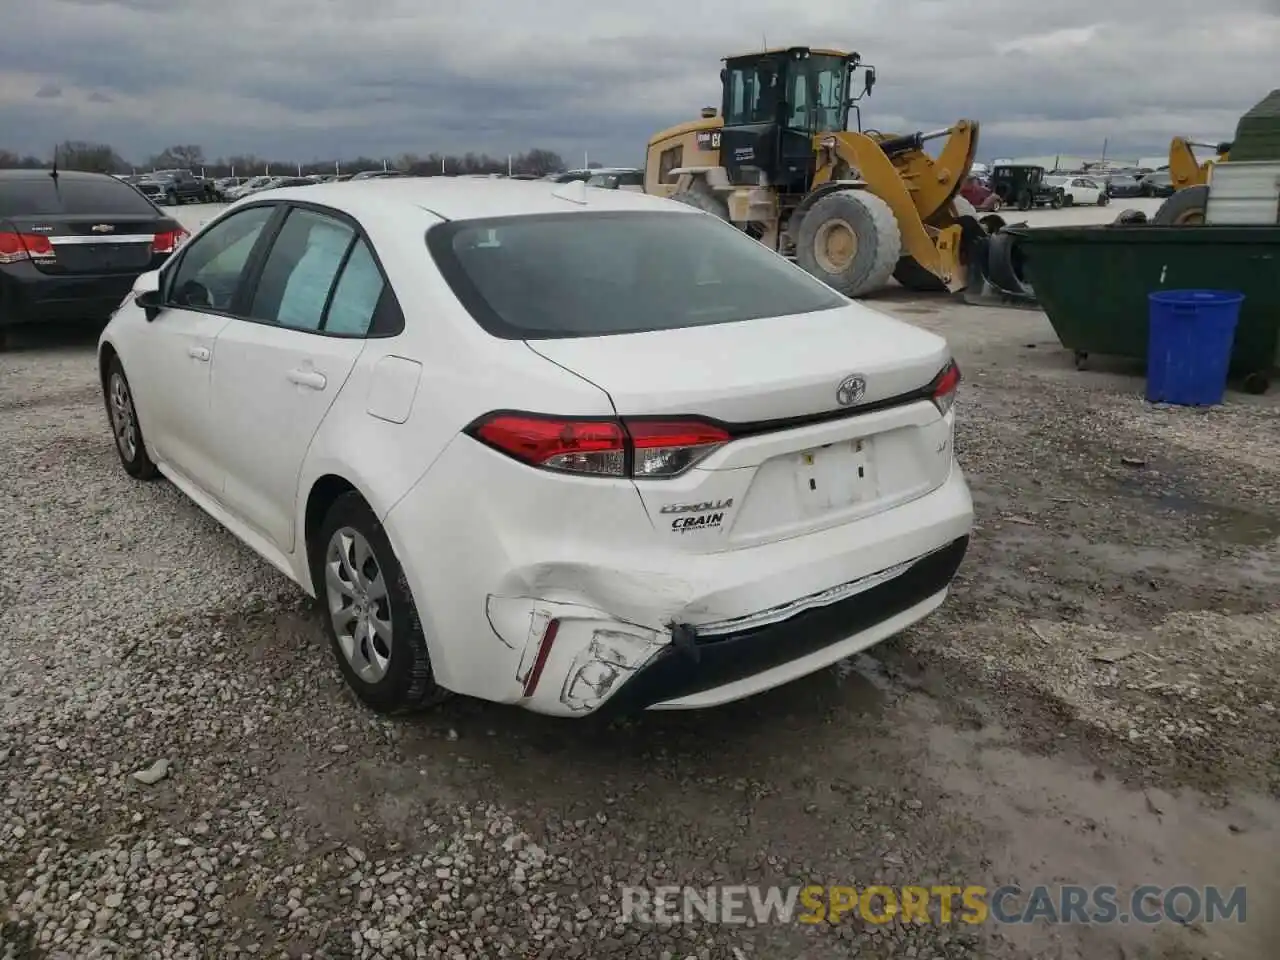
[(1189, 343)]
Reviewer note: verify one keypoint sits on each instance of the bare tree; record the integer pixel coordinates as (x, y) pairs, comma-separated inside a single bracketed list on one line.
[(93, 157), (182, 156)]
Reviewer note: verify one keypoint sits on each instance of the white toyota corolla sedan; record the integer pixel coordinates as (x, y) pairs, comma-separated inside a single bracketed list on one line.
[(567, 448)]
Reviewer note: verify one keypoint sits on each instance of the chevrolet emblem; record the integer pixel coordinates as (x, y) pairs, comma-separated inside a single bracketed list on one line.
[(102, 228)]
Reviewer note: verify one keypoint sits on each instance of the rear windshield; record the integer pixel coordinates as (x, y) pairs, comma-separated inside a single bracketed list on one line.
[(43, 196), (595, 274)]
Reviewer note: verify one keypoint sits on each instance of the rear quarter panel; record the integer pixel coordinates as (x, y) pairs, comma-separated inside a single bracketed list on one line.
[(463, 373)]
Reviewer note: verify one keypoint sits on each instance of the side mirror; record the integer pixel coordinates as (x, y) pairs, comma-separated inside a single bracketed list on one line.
[(871, 80), (146, 293)]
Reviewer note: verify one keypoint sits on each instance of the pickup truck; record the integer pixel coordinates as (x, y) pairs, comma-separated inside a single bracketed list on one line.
[(174, 187)]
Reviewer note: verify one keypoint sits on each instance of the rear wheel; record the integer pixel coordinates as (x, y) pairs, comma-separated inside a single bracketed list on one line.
[(850, 240), (1024, 200), (1185, 207), (1057, 201), (370, 616)]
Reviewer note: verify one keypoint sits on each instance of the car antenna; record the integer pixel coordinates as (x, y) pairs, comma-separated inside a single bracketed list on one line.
[(54, 172)]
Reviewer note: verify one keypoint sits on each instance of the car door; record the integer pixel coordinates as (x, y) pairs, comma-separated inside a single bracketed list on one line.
[(280, 369), (199, 294)]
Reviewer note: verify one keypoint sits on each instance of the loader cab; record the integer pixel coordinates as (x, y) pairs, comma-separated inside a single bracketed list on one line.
[(775, 102)]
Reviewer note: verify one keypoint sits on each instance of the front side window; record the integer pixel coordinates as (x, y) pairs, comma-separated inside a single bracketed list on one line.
[(817, 95), (300, 270), (598, 274), (212, 265)]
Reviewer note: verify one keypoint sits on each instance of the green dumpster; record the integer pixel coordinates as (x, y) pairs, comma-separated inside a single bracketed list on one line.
[(1093, 283)]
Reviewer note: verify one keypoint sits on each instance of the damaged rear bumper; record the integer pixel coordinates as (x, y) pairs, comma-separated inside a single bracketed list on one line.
[(576, 659)]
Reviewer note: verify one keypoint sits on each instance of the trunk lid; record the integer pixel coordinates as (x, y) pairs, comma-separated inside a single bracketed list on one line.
[(757, 370), (800, 460), (94, 243)]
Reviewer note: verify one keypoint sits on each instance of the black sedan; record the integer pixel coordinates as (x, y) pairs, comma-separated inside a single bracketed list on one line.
[(1124, 185), (72, 244), (1158, 184)]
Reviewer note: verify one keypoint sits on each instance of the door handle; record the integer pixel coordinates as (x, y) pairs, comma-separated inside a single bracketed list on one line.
[(307, 378), (198, 353)]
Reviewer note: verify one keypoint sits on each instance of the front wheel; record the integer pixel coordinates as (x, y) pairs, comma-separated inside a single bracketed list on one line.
[(1103, 199), (370, 617), (850, 240), (123, 416), (1069, 200), (1057, 201)]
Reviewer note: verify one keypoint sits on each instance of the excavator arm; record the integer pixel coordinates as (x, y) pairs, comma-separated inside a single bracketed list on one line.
[(1184, 169)]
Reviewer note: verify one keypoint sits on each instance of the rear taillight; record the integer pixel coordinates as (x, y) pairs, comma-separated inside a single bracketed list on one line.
[(169, 240), (24, 246), (644, 449), (665, 448), (944, 388)]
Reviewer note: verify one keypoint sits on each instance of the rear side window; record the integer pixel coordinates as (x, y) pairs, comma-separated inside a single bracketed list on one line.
[(357, 295), (600, 273), (300, 270), (45, 196)]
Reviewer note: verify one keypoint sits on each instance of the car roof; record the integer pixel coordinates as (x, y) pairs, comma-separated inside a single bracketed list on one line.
[(39, 174), (463, 198)]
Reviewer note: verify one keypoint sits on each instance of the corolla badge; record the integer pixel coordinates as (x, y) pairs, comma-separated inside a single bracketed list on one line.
[(851, 390)]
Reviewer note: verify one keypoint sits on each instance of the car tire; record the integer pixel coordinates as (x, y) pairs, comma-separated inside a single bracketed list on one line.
[(1057, 201), (122, 415), (1185, 207), (1069, 200), (1025, 201), (865, 263), (360, 584), (1103, 199)]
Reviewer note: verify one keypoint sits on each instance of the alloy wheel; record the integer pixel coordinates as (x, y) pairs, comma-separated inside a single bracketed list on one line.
[(124, 421), (359, 605)]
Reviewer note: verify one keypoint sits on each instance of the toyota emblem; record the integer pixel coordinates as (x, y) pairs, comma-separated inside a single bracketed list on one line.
[(851, 390)]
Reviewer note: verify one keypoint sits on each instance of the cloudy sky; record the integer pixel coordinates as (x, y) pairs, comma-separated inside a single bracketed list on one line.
[(311, 79)]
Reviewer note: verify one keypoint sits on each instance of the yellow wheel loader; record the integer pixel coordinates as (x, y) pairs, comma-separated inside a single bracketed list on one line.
[(852, 207), (1190, 180)]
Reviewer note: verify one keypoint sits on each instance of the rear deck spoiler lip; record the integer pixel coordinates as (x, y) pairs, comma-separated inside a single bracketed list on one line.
[(758, 427)]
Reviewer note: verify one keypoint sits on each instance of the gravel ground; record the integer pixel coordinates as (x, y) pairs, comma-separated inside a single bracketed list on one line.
[(182, 773)]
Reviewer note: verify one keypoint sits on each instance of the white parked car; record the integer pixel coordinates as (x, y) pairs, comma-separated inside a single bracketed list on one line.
[(1082, 191), (560, 448)]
